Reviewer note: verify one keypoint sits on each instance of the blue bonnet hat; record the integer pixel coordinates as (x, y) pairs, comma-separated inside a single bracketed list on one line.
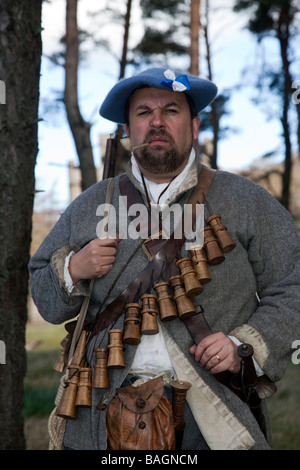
[(202, 91)]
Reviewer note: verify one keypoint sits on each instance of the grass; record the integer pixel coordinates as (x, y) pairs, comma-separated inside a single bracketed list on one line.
[(284, 408), (44, 336), (42, 381)]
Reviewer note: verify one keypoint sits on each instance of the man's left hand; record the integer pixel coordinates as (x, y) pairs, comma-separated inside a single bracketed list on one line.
[(217, 353)]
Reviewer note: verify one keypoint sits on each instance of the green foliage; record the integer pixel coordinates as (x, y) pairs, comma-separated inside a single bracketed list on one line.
[(172, 7), (159, 42), (264, 13), (166, 29)]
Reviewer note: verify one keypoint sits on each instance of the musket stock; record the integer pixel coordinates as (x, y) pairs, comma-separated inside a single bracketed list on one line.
[(111, 152)]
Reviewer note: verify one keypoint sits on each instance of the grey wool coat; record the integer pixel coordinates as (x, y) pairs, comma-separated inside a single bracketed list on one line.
[(254, 295)]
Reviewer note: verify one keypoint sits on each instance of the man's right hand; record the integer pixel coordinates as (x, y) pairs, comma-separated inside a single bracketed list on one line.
[(94, 260)]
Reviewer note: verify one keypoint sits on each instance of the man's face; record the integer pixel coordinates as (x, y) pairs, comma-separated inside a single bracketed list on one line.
[(162, 118)]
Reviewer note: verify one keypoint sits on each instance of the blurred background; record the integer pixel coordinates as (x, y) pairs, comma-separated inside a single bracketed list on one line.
[(249, 48)]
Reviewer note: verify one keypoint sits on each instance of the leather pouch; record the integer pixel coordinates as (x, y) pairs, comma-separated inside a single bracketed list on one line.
[(140, 418)]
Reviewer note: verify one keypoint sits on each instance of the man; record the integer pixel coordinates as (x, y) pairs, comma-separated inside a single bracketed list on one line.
[(253, 296)]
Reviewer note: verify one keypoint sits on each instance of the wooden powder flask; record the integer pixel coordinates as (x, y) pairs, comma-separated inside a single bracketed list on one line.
[(66, 408), (84, 392), (167, 310), (220, 231), (115, 350), (191, 282), (180, 389), (100, 379), (132, 333), (213, 251), (184, 304), (200, 265), (59, 365), (149, 315)]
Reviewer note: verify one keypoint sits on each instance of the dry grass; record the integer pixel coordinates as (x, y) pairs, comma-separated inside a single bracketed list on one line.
[(36, 433)]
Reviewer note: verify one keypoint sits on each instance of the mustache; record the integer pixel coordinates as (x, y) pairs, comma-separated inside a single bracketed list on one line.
[(159, 133)]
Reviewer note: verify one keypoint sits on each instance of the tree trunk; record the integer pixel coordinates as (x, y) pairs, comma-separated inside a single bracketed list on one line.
[(20, 54), (283, 37), (123, 61), (79, 127), (215, 116), (195, 28), (298, 128), (119, 163)]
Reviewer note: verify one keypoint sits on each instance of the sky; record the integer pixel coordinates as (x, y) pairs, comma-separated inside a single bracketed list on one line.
[(233, 49)]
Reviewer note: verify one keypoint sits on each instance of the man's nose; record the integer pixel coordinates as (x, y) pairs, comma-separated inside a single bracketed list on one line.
[(157, 119)]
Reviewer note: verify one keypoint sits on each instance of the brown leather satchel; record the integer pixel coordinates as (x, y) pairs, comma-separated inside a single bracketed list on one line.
[(140, 418)]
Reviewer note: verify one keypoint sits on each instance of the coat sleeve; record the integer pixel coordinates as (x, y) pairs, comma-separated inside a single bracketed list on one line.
[(77, 226), (273, 247), (46, 266)]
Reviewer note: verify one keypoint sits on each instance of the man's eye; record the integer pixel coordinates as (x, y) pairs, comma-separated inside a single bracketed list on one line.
[(171, 111), (143, 113)]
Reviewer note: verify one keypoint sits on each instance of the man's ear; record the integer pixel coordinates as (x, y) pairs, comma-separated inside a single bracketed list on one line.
[(127, 129), (196, 126)]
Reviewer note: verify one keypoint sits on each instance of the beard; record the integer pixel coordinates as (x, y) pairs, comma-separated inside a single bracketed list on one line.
[(158, 160)]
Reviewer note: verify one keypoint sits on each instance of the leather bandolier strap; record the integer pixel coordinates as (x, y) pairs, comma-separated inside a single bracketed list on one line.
[(169, 250), (164, 252)]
